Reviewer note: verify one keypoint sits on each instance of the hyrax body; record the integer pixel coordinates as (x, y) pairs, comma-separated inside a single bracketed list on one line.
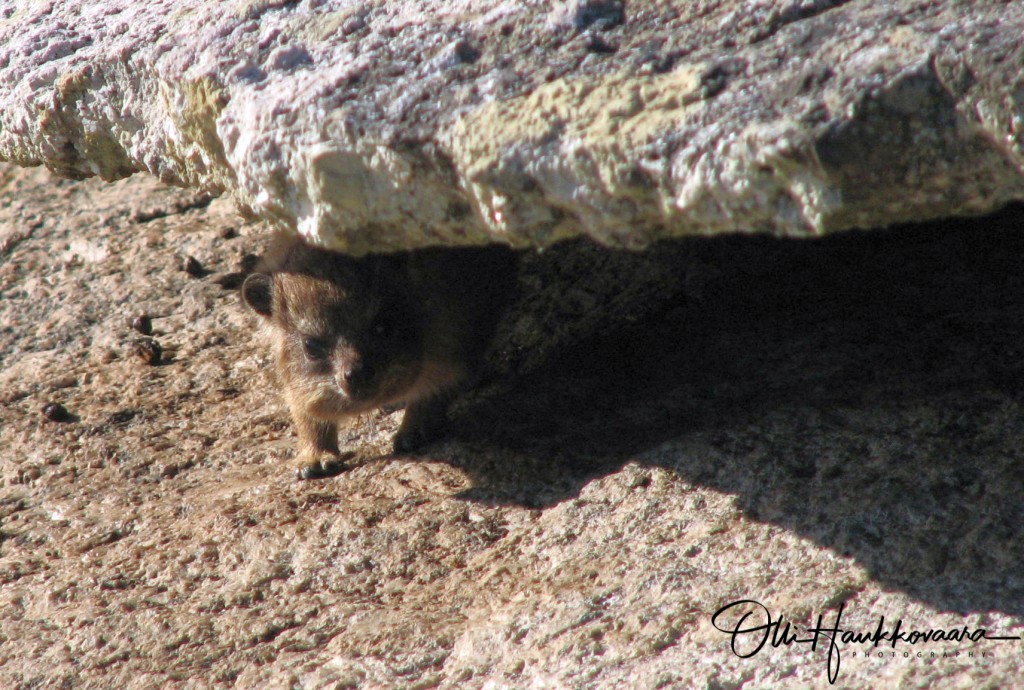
[(351, 335)]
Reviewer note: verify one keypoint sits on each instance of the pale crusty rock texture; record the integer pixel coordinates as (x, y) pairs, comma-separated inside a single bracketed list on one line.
[(383, 125)]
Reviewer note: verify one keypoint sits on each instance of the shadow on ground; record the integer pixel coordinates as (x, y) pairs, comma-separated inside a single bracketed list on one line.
[(864, 390)]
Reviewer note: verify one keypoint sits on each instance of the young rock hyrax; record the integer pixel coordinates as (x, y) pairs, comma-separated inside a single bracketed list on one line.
[(351, 335)]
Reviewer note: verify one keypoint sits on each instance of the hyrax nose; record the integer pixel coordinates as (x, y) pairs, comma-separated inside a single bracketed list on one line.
[(356, 376)]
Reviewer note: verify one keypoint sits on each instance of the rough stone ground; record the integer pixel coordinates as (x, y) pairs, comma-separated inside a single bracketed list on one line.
[(813, 424)]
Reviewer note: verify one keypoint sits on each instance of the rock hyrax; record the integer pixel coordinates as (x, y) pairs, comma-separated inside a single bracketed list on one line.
[(351, 335)]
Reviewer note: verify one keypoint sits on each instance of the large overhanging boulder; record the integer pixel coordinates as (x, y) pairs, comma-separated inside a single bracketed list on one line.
[(385, 125)]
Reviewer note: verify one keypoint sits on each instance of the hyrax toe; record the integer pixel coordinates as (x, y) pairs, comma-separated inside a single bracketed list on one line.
[(319, 467)]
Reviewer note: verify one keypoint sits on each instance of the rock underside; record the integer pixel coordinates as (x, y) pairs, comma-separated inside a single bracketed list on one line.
[(387, 125)]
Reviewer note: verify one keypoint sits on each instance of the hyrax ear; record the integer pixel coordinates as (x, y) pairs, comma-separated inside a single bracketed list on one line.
[(257, 293)]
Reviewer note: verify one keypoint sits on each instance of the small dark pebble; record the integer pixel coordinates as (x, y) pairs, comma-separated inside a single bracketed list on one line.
[(148, 350), (230, 281), (466, 52), (143, 324), (247, 264), (56, 412), (596, 44), (173, 469), (598, 14), (193, 267), (122, 416), (227, 393), (229, 233)]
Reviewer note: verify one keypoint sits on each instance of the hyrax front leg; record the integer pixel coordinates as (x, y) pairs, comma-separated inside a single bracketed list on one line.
[(424, 421), (318, 454)]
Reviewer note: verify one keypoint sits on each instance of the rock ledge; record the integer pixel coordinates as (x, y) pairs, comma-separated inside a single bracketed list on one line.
[(393, 125)]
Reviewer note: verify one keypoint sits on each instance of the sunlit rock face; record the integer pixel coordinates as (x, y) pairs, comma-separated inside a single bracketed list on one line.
[(386, 125)]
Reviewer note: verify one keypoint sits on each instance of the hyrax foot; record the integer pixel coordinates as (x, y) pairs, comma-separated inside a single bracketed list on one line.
[(424, 422), (320, 466), (410, 440)]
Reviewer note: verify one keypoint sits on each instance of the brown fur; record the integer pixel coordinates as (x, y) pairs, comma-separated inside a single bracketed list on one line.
[(351, 335)]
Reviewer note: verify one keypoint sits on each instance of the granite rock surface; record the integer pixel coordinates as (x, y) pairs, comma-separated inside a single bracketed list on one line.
[(388, 125), (833, 423)]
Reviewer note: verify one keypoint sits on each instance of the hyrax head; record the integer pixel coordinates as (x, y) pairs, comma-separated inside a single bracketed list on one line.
[(348, 335)]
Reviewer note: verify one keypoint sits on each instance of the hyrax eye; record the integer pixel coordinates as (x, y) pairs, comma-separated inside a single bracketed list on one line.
[(316, 350)]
